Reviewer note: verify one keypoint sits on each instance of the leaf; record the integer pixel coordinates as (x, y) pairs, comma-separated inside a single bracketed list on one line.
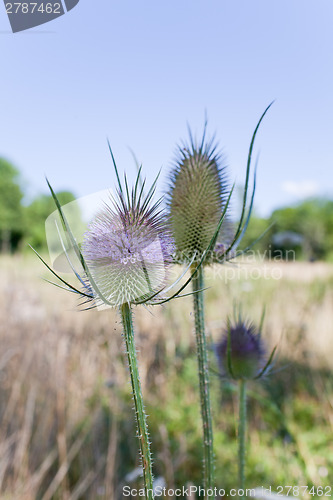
[(74, 244)]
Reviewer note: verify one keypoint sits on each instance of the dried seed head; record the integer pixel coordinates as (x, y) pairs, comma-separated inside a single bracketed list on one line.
[(240, 353), (196, 198), (127, 249)]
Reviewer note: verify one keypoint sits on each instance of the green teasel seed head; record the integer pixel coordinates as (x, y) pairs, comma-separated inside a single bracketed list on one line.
[(196, 198)]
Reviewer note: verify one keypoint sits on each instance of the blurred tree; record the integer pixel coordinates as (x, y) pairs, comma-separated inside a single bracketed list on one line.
[(328, 238), (36, 214), (21, 224), (305, 229), (256, 228), (11, 212), (313, 219)]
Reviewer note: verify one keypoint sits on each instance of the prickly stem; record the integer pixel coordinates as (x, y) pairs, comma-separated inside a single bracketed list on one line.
[(198, 298), (242, 435), (126, 316)]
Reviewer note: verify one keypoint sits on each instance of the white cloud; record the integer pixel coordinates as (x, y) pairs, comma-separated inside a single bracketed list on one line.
[(301, 189)]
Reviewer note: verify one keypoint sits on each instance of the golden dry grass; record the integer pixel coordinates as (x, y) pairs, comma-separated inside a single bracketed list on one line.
[(67, 428)]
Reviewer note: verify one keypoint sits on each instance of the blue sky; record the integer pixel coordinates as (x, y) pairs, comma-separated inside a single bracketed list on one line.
[(137, 72)]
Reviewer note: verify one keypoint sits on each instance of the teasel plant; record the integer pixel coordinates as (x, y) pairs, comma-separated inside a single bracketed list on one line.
[(123, 262), (241, 355), (198, 201)]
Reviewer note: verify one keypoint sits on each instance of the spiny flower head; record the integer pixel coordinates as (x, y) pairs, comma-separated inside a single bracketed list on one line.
[(196, 198), (198, 202), (128, 249), (241, 353)]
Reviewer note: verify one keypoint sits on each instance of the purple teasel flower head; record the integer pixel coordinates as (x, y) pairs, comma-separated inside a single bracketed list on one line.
[(128, 249), (241, 353), (126, 253)]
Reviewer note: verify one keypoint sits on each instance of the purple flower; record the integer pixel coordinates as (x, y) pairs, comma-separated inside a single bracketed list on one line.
[(126, 253), (241, 353), (128, 249)]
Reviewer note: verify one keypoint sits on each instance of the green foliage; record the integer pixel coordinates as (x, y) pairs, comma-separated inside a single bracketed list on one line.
[(311, 221), (36, 214), (287, 428), (257, 227), (19, 224), (11, 222)]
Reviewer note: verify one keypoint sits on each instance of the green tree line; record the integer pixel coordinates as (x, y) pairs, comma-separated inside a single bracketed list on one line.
[(22, 224), (304, 230)]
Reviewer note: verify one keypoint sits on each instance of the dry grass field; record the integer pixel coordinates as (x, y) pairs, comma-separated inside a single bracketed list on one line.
[(66, 420)]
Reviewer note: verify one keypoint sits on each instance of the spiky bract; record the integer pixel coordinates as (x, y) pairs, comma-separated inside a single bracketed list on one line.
[(196, 198), (127, 249)]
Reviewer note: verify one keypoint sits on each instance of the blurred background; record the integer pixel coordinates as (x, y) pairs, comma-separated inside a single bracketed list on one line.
[(138, 74)]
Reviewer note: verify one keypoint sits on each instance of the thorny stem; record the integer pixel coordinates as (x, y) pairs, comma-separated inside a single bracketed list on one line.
[(126, 316), (241, 435), (209, 472)]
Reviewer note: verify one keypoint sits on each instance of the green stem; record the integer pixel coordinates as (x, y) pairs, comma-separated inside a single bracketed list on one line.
[(126, 316), (241, 435), (198, 298)]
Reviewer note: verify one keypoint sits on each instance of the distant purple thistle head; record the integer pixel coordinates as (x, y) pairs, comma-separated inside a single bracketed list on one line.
[(240, 353), (128, 250)]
